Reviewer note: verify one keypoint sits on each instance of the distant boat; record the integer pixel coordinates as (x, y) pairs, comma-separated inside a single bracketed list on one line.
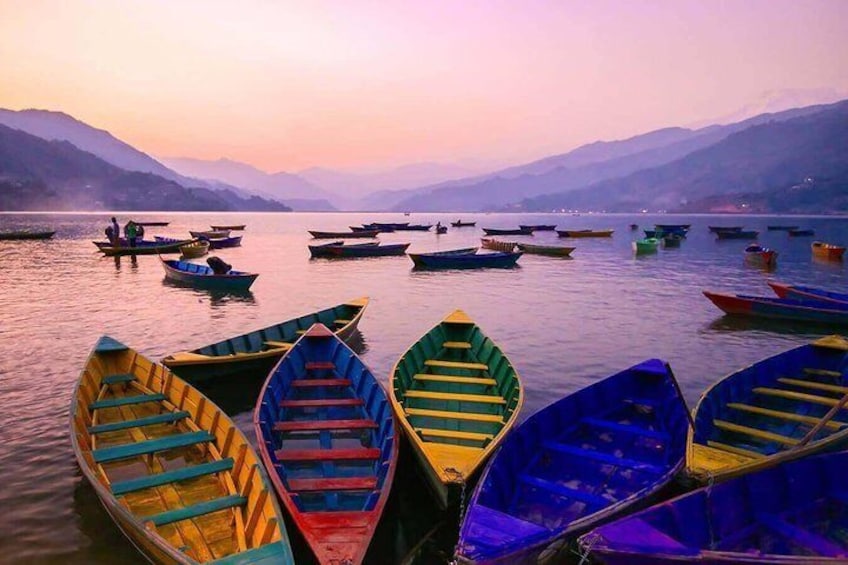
[(801, 233), (539, 227), (441, 229), (585, 233), (323, 250), (737, 234), (413, 227), (781, 308), (781, 228), (497, 231), (236, 227), (827, 251), (195, 249), (464, 260), (673, 227), (214, 242), (652, 233), (634, 227), (157, 224), (756, 254), (201, 276), (672, 240), (495, 245), (210, 233), (551, 250), (23, 234), (717, 229), (343, 234), (461, 224), (356, 251), (798, 292), (645, 246)]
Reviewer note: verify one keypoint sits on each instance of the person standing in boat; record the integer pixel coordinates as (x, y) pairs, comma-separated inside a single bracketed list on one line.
[(130, 232), (113, 232)]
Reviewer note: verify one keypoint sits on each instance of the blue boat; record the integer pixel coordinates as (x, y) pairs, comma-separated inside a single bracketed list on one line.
[(325, 249), (799, 292), (201, 276), (214, 242), (795, 513), (462, 260), (734, 233), (336, 250), (814, 311), (526, 230), (327, 436), (583, 459)]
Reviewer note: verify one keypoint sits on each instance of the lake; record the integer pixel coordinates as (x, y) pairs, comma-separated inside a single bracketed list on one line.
[(564, 323)]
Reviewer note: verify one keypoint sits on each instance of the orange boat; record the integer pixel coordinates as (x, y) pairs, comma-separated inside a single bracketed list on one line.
[(828, 251)]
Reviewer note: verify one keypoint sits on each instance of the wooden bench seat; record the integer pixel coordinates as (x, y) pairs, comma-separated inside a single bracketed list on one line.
[(126, 451), (813, 385), (335, 483), (755, 432), (427, 377), (455, 397), (604, 458), (788, 416), (822, 373), (341, 321), (167, 418), (320, 365), (307, 383), (191, 472), (456, 365), (116, 379), (195, 510), (450, 415), (126, 401), (799, 396), (592, 500), (453, 434), (356, 453), (315, 425), (456, 345), (321, 402), (626, 428), (279, 344)]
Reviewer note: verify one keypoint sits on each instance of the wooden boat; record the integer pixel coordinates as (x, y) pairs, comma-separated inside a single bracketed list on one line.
[(201, 276), (645, 246), (381, 228), (781, 228), (443, 260), (255, 352), (124, 242), (323, 249), (209, 234), (461, 224), (234, 227), (151, 224), (781, 308), (792, 514), (672, 240), (576, 463), (456, 395), (538, 227), (224, 242), (173, 471), (413, 227), (801, 233), (553, 250), (441, 230), (783, 407), (495, 245), (737, 234), (343, 234), (652, 233), (19, 235), (326, 433), (195, 250), (147, 248), (827, 251), (797, 292), (672, 228), (717, 229), (585, 233), (634, 227), (356, 251), (389, 225), (756, 254), (519, 231)]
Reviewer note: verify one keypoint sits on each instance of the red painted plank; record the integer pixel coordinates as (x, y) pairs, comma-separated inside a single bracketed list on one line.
[(312, 365), (299, 383), (321, 402), (327, 454), (339, 483), (309, 425), (338, 520)]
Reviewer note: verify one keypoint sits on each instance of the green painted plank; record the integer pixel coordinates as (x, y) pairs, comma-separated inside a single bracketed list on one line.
[(196, 510), (126, 401), (115, 379), (140, 422), (151, 446), (276, 553), (183, 474)]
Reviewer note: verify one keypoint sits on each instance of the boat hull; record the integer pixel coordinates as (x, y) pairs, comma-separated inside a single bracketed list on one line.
[(549, 250), (827, 251), (520, 231), (201, 276), (364, 234), (495, 245), (237, 227), (737, 234), (23, 235), (780, 308), (152, 248), (585, 233), (496, 260), (807, 293)]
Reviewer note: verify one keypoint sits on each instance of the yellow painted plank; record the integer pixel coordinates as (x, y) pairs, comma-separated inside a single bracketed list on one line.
[(456, 365), (736, 450), (300, 332), (833, 425), (814, 385), (279, 344), (754, 432), (456, 345), (780, 393), (447, 414), (458, 317), (715, 458), (454, 379), (833, 342), (481, 398), (342, 321), (453, 434), (822, 373)]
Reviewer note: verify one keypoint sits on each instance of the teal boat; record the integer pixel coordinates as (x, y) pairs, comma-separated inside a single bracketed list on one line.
[(645, 246)]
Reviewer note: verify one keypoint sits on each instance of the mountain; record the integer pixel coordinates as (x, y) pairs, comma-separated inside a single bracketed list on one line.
[(37, 174), (774, 101), (797, 165)]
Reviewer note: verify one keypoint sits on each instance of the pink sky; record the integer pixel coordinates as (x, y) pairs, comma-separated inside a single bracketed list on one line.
[(287, 85)]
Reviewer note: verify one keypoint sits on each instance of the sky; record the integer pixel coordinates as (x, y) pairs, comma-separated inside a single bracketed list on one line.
[(358, 84)]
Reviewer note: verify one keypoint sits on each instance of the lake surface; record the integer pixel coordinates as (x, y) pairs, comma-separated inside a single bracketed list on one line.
[(564, 323)]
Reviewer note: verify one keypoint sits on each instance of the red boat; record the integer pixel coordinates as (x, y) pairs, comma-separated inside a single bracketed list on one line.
[(756, 254)]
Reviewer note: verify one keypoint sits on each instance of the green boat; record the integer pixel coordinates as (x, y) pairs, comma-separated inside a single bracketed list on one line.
[(647, 245), (256, 352)]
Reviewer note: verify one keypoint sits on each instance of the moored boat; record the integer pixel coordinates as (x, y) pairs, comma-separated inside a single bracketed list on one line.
[(576, 463), (461, 224), (496, 245), (498, 231), (827, 251), (634, 227), (672, 240), (585, 233), (737, 234), (781, 228), (172, 470), (781, 308), (413, 227), (756, 254), (455, 395), (356, 251), (210, 234), (792, 514), (441, 230), (146, 248), (645, 246), (195, 249), (784, 407), (497, 260), (717, 229), (234, 227), (255, 352), (799, 292), (343, 234), (652, 233), (538, 227), (214, 242), (19, 235), (552, 250), (327, 435), (323, 249), (801, 232), (201, 276)]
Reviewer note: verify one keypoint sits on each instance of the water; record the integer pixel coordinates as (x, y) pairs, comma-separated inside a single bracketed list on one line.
[(563, 323)]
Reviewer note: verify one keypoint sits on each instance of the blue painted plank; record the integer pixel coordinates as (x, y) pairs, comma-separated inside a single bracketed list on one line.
[(574, 494), (107, 344), (126, 401), (151, 446), (183, 474), (115, 379), (140, 422), (603, 457), (196, 510), (805, 538), (626, 428)]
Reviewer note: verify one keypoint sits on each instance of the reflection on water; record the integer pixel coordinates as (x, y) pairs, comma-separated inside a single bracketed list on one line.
[(216, 297), (563, 325)]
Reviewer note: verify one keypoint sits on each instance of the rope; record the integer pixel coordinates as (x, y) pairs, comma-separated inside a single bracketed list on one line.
[(458, 479), (584, 548)]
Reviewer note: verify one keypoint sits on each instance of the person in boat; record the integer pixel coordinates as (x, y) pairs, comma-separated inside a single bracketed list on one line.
[(131, 232), (438, 226), (139, 232), (218, 265), (115, 230)]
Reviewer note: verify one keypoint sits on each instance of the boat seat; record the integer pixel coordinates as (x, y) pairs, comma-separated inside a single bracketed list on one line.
[(818, 545), (454, 379), (604, 458), (341, 321), (321, 402), (456, 345), (355, 453), (626, 428), (306, 383), (755, 432), (279, 344), (454, 434), (814, 385), (450, 415), (126, 401), (191, 472), (167, 418), (274, 552), (735, 450), (115, 379), (789, 416), (451, 396), (456, 365), (822, 373), (315, 425), (335, 483), (105, 454), (318, 365), (196, 510), (300, 332), (592, 500), (649, 402), (800, 396)]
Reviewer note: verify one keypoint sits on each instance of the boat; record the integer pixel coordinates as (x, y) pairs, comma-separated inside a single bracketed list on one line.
[(382, 228), (151, 224), (456, 395), (257, 351), (652, 233), (783, 407), (388, 225), (461, 224), (519, 231), (174, 472), (323, 249), (124, 242), (717, 229), (326, 434), (234, 227), (224, 242), (801, 233), (462, 251), (634, 227), (210, 234), (827, 251), (673, 227), (797, 292), (413, 227), (343, 234), (195, 250), (538, 227), (19, 235), (792, 514), (495, 245), (146, 248), (645, 246), (498, 260), (201, 276), (585, 233), (672, 240), (553, 250), (441, 230), (782, 228), (737, 234), (756, 254), (576, 463), (781, 308), (355, 251)]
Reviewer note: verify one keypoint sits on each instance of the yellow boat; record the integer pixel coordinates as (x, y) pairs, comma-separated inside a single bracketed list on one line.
[(456, 395), (171, 469)]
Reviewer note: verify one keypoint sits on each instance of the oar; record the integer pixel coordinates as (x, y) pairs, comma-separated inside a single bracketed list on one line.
[(827, 417)]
